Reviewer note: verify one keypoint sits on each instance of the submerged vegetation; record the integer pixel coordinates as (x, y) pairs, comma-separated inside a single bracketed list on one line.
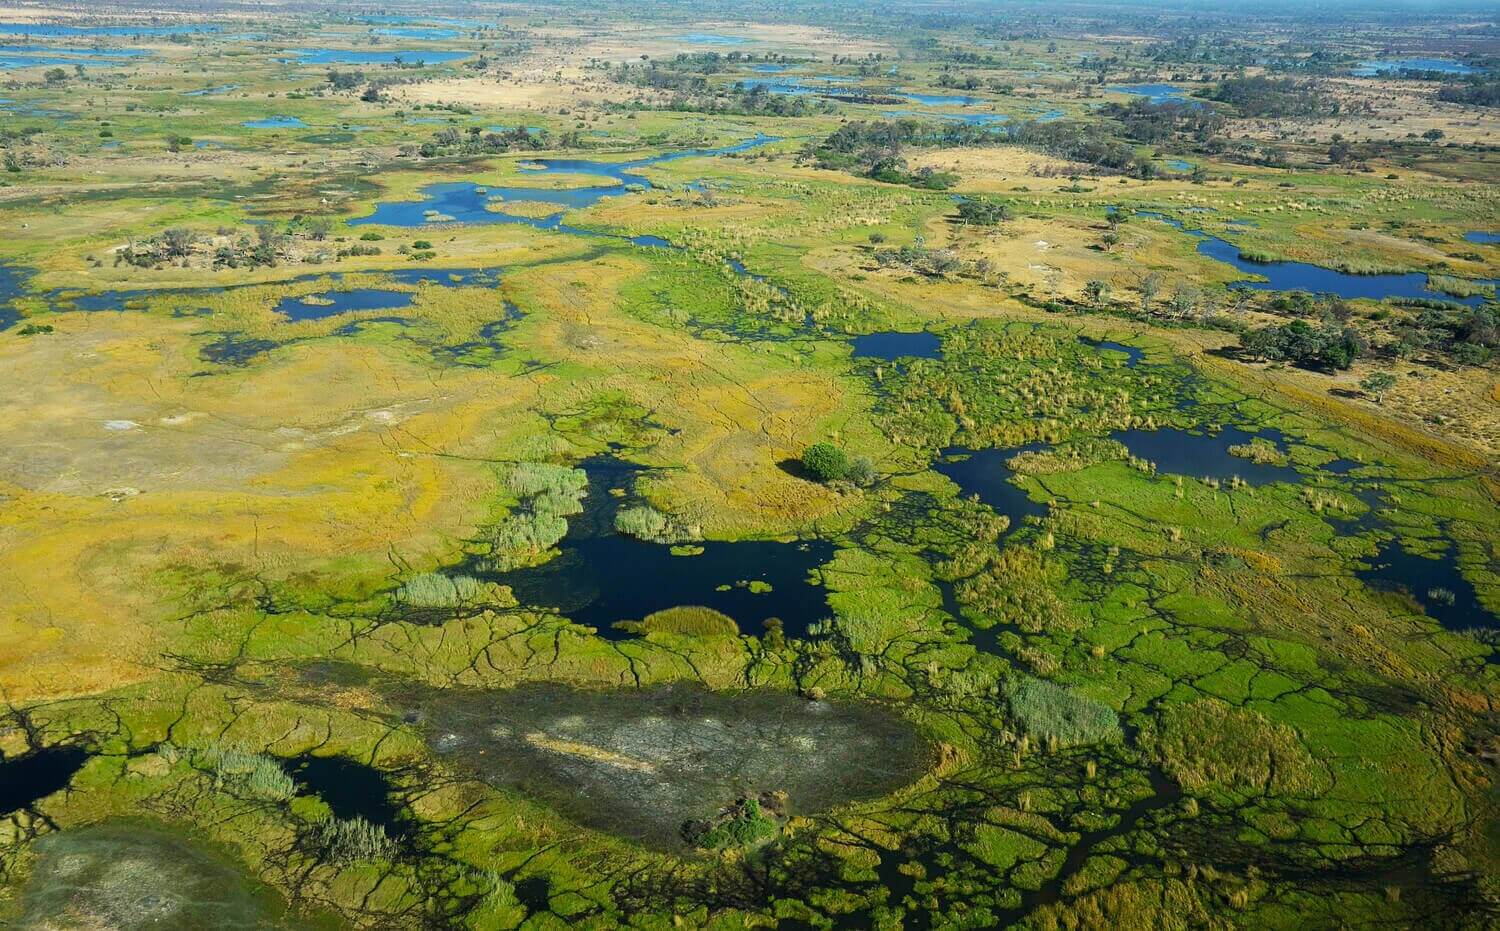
[(845, 465)]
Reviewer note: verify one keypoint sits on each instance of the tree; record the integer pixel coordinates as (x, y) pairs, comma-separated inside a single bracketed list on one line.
[(56, 76), (178, 241), (1096, 291), (825, 462), (861, 471), (1376, 384), (1150, 287)]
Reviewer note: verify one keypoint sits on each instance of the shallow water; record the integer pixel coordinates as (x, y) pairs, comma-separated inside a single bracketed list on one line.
[(274, 122), (1482, 238), (333, 56), (710, 38), (1133, 354), (1368, 69), (1315, 279), (1156, 93), (601, 576), (640, 763), (983, 472), (47, 29)]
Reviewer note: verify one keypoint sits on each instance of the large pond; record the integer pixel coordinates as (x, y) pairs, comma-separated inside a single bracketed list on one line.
[(601, 576), (641, 763), (331, 303), (466, 202), (132, 876)]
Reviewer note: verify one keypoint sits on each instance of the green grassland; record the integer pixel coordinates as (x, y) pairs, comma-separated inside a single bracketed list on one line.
[(231, 541)]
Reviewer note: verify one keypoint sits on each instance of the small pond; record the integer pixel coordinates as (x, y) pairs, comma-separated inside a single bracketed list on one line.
[(1133, 354), (984, 472), (332, 303), (640, 763), (892, 345), (1156, 93), (709, 38), (350, 789), (1482, 238), (1436, 584)]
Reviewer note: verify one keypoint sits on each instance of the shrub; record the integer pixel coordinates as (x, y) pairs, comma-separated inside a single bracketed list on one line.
[(641, 521), (825, 462), (436, 590), (347, 840), (745, 826), (861, 471), (259, 774), (532, 478), (691, 621)]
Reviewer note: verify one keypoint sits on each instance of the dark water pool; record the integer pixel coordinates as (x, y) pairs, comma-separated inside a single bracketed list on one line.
[(25, 780), (1133, 354), (983, 472), (351, 789), (601, 576), (1202, 455), (1436, 584), (892, 345)]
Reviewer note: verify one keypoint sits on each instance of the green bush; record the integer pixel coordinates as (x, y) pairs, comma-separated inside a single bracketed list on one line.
[(642, 521), (528, 479), (257, 773), (354, 839), (691, 621), (825, 462), (435, 590), (1052, 712)]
